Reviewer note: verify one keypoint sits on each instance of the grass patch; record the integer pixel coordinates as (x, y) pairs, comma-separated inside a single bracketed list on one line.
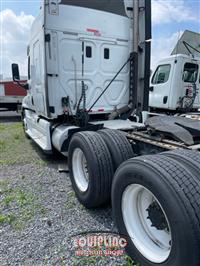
[(71, 195), (22, 198), (15, 148), (3, 145), (9, 218), (4, 186), (71, 203), (8, 199), (2, 127), (17, 206), (84, 260), (129, 261), (3, 219), (16, 136), (43, 210), (19, 196)]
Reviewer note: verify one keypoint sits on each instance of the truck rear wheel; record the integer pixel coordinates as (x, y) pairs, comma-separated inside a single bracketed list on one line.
[(156, 206), (118, 145), (91, 169), (188, 158)]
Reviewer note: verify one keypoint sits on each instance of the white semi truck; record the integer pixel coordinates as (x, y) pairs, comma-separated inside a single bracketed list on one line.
[(175, 82), (89, 68)]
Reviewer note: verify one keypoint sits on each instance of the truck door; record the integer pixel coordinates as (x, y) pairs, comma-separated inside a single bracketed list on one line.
[(161, 86), (37, 85)]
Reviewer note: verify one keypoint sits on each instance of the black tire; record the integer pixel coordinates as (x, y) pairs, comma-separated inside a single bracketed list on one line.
[(179, 195), (118, 145), (188, 158), (99, 166)]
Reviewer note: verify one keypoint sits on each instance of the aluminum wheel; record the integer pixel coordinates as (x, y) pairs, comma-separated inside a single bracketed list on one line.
[(80, 170), (146, 223)]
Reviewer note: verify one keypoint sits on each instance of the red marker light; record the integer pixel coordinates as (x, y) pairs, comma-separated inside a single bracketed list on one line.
[(96, 32)]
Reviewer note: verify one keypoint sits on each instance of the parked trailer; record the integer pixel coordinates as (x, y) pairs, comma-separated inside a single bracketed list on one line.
[(11, 95), (89, 68)]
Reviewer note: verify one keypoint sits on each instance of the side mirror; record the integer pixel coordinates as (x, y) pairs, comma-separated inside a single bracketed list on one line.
[(16, 76), (15, 72), (151, 88)]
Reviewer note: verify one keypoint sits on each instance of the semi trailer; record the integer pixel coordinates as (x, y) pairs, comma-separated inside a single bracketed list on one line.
[(88, 78), (11, 95)]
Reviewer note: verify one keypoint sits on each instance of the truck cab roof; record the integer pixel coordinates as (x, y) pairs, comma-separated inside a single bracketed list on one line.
[(178, 56)]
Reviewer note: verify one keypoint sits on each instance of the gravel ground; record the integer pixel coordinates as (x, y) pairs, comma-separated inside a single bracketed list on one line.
[(39, 212)]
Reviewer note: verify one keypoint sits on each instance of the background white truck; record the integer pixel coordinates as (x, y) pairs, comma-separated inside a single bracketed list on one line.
[(89, 69), (175, 83)]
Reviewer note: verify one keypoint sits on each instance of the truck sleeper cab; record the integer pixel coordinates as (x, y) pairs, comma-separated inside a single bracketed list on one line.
[(81, 45)]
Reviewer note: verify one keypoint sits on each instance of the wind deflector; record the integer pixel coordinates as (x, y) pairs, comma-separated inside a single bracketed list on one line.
[(111, 6), (191, 38)]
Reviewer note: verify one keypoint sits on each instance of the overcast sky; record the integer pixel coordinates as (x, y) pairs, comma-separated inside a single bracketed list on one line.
[(170, 19)]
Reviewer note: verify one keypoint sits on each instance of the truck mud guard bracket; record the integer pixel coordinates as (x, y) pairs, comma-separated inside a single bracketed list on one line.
[(71, 132)]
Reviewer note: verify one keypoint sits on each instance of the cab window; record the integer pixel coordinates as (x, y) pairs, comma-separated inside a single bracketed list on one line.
[(162, 74), (190, 72), (111, 6)]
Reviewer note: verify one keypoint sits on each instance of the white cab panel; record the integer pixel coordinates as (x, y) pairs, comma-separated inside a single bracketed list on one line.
[(39, 130), (106, 49)]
